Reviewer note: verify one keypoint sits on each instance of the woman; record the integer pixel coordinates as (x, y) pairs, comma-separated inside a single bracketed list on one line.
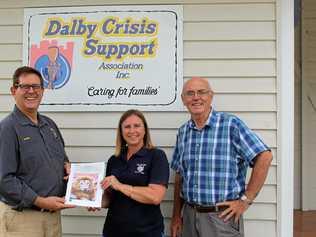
[(136, 182)]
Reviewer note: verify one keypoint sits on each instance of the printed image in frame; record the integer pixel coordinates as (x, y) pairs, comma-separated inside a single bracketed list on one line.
[(84, 186)]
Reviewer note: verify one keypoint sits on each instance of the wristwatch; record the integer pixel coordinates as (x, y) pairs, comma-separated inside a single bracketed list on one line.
[(245, 199)]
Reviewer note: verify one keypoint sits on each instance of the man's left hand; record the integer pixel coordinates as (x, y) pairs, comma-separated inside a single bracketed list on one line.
[(234, 208)]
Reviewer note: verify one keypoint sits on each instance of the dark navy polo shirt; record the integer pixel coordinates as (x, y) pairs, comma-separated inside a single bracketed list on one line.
[(31, 160), (127, 217)]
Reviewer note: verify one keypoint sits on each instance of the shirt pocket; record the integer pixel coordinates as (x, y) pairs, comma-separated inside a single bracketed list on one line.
[(31, 153), (54, 143), (57, 151)]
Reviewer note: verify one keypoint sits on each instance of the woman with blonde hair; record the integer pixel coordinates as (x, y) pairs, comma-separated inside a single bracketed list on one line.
[(136, 182)]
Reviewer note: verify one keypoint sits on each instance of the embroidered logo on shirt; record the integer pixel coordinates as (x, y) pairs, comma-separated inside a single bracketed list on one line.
[(26, 138), (140, 168), (54, 132)]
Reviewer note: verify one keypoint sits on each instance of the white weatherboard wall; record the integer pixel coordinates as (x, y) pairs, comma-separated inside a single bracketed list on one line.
[(230, 42)]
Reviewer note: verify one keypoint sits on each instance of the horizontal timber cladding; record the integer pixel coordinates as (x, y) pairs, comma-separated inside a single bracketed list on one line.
[(230, 42)]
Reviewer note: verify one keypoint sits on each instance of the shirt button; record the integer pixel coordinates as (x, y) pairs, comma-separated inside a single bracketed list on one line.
[(197, 145)]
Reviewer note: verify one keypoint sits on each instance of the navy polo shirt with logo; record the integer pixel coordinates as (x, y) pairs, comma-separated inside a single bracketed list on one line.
[(127, 217)]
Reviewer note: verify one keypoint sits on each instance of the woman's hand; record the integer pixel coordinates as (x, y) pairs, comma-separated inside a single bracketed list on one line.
[(151, 194), (67, 167), (110, 181)]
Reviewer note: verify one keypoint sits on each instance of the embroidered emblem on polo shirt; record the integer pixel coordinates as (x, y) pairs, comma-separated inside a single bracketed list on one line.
[(140, 168)]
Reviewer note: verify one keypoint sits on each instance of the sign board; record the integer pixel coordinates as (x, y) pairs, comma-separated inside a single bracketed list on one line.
[(105, 58)]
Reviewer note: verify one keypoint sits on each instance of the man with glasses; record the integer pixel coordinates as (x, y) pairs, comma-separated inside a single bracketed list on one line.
[(211, 157), (33, 164)]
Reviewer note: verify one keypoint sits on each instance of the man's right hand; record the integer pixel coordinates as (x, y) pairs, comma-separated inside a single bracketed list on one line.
[(176, 226), (51, 203)]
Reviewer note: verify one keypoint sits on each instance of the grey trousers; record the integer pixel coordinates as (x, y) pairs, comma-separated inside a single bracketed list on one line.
[(197, 224)]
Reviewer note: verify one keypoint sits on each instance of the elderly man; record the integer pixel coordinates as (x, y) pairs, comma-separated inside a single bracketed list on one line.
[(33, 164), (211, 157)]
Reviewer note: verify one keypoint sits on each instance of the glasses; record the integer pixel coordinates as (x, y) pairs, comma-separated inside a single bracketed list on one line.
[(199, 93), (27, 87)]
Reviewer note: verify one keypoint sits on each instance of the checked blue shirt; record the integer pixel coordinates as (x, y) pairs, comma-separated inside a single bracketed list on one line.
[(213, 161)]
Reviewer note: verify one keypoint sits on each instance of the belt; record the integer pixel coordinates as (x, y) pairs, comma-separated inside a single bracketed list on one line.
[(199, 208), (19, 209)]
